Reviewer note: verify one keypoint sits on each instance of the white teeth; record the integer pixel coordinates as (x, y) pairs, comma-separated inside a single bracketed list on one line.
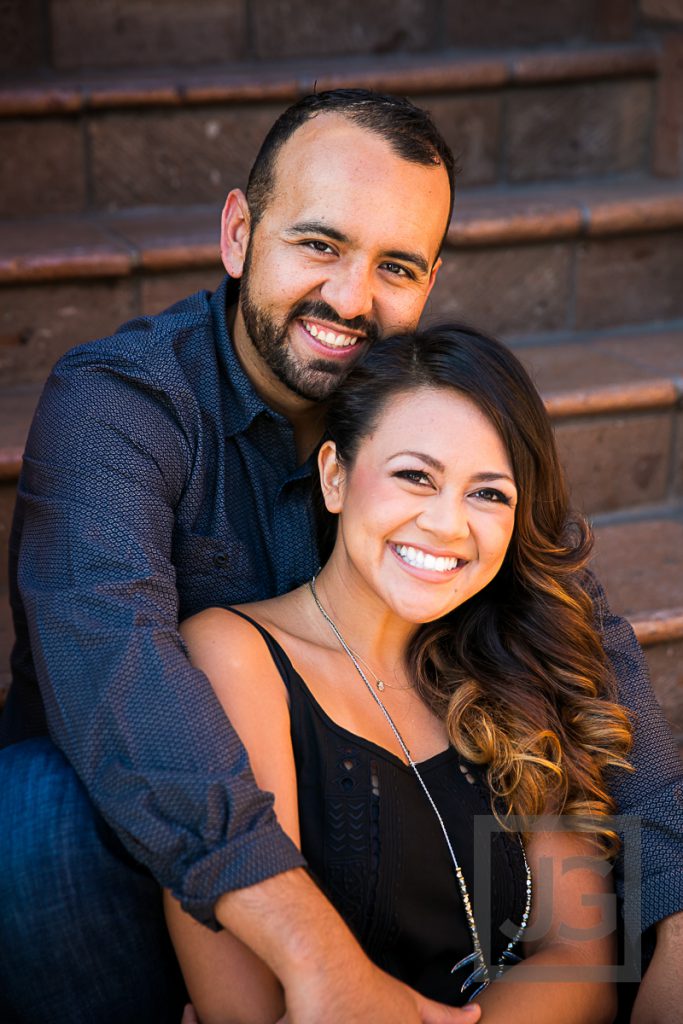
[(422, 560), (329, 337)]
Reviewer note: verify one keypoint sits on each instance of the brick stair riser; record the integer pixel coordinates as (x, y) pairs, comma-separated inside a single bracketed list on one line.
[(70, 34), (518, 291), (103, 160)]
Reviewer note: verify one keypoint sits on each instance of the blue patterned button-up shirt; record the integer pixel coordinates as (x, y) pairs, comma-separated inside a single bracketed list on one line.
[(157, 483)]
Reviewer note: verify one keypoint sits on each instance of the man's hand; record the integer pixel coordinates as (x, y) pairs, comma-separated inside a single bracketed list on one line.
[(660, 996), (325, 974), (378, 998)]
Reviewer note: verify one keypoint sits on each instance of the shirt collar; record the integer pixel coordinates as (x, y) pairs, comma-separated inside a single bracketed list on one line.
[(243, 404)]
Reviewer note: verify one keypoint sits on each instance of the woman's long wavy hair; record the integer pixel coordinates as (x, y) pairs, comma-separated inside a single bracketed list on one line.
[(518, 672)]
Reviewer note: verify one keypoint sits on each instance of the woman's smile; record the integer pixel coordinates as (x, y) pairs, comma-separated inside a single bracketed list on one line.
[(428, 564), (426, 509)]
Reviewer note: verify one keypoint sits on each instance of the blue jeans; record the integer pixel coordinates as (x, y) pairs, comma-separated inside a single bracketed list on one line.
[(82, 933)]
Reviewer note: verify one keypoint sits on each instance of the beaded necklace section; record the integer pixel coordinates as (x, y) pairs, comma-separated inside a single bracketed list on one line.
[(480, 976)]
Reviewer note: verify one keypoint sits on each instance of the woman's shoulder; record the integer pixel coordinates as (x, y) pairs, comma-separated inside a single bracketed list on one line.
[(226, 641)]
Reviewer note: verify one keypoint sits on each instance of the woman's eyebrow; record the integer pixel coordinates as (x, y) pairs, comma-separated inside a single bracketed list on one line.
[(481, 478), (484, 477), (429, 459)]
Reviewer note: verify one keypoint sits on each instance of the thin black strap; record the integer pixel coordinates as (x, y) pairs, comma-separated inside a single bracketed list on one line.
[(277, 652)]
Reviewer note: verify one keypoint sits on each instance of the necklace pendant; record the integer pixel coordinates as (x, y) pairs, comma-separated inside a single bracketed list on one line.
[(380, 685)]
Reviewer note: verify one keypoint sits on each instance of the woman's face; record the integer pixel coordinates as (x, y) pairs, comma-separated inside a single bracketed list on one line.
[(427, 510)]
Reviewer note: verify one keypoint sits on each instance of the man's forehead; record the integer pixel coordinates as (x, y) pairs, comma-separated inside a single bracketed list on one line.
[(330, 165)]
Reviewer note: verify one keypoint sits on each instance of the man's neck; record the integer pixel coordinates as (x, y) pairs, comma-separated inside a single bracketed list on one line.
[(306, 417)]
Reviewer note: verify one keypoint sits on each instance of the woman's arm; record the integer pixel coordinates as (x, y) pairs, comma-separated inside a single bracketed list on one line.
[(227, 982), (571, 931)]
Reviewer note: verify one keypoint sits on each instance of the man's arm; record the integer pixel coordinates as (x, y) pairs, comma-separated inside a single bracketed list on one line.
[(106, 463), (653, 794), (660, 997)]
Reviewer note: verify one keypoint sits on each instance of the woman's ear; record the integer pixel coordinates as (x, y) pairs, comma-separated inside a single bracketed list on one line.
[(331, 477), (235, 232)]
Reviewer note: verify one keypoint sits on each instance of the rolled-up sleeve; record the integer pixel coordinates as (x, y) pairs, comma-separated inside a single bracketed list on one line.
[(653, 793), (106, 463)]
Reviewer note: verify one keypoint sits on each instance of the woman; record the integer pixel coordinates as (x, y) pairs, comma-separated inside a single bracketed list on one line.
[(443, 665)]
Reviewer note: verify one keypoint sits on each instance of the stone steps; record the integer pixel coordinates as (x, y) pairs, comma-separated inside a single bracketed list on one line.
[(564, 241), (68, 34), (531, 263), (116, 140)]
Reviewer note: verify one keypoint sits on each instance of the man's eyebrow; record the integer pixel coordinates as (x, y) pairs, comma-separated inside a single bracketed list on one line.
[(416, 258), (317, 227)]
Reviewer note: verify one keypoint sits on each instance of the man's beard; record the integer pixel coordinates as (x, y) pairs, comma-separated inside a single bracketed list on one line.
[(314, 380)]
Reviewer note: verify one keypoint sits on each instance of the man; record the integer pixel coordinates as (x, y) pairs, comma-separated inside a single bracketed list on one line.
[(168, 469)]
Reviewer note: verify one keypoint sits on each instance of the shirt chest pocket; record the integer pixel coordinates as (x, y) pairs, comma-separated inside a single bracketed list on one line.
[(212, 570)]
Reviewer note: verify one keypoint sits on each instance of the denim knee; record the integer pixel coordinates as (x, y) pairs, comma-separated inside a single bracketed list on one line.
[(82, 935)]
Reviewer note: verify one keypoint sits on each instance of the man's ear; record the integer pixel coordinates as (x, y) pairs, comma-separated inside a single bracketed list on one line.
[(432, 276), (331, 477), (235, 232)]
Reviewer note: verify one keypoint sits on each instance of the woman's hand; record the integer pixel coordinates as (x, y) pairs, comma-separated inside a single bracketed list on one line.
[(189, 1016)]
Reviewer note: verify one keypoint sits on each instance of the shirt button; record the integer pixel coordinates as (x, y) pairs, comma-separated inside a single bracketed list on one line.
[(220, 561)]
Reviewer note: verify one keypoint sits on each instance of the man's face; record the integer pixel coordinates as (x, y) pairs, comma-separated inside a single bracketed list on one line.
[(346, 251)]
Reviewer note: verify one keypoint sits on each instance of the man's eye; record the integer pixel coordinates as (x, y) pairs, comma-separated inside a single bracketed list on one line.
[(492, 495), (397, 269), (319, 246), (413, 476)]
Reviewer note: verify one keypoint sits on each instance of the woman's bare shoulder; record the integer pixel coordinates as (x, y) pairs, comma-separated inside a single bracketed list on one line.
[(220, 641)]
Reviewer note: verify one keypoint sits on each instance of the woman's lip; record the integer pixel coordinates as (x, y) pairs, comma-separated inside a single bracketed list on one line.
[(431, 575), (328, 350)]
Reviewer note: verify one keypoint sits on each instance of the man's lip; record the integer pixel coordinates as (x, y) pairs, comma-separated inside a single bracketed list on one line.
[(329, 351), (329, 325)]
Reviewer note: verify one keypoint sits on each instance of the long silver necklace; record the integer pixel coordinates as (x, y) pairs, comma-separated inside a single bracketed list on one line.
[(480, 976)]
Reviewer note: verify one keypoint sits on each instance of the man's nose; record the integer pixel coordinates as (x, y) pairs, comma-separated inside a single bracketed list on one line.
[(349, 291)]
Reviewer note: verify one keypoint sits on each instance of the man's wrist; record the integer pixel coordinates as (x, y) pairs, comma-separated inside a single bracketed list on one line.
[(290, 925), (670, 930)]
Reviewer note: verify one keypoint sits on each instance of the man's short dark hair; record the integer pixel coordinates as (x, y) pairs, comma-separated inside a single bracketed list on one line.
[(409, 130)]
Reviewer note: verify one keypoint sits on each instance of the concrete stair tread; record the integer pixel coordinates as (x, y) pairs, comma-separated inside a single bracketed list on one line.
[(286, 80), (111, 244), (641, 566), (605, 374)]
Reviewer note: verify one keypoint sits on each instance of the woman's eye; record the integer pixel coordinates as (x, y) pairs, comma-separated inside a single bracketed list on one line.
[(492, 495), (414, 476)]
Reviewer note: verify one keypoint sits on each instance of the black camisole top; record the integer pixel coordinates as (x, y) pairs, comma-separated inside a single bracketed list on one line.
[(374, 845)]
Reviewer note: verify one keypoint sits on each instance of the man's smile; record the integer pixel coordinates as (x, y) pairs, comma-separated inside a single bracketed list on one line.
[(328, 336)]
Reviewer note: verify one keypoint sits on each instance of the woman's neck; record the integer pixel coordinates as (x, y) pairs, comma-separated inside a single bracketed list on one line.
[(368, 625)]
